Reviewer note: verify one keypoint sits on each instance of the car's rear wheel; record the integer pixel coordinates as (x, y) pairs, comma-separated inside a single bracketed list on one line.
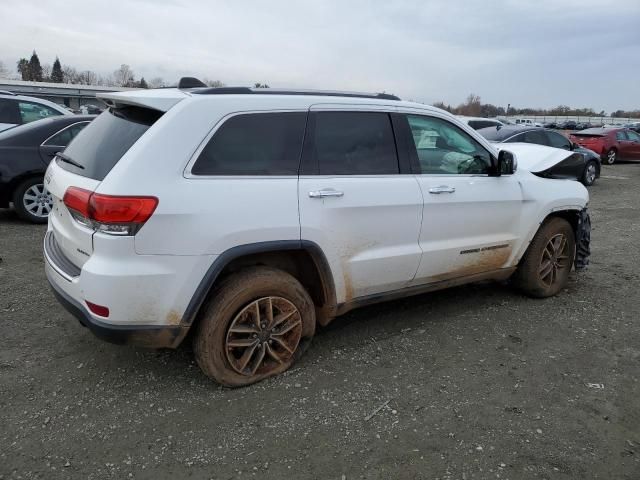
[(590, 173), (254, 325), (32, 201), (546, 265), (611, 156)]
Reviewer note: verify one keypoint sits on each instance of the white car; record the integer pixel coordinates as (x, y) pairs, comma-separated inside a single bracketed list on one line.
[(479, 122), (20, 109), (253, 216), (527, 122)]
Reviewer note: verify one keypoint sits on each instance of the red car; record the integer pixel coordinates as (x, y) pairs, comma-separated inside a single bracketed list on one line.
[(610, 143)]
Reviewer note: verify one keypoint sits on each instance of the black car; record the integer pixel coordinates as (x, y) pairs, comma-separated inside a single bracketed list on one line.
[(586, 172), (568, 125), (25, 153)]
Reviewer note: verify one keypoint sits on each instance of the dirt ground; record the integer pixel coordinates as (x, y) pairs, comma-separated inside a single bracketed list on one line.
[(472, 383)]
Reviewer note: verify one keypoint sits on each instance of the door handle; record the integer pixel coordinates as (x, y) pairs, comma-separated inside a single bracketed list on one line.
[(325, 192), (442, 189)]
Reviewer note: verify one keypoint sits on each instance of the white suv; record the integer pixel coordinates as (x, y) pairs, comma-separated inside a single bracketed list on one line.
[(253, 216)]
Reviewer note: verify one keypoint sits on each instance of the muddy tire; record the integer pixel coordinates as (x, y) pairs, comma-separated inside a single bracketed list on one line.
[(254, 325), (546, 265), (611, 156)]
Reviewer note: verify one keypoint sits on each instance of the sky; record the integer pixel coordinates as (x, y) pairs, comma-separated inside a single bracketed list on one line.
[(527, 53)]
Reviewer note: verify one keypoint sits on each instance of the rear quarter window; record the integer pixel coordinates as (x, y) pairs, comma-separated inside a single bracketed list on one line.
[(254, 144), (100, 145)]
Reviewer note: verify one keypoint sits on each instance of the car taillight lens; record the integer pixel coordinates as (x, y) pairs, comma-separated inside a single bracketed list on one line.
[(115, 215), (98, 309)]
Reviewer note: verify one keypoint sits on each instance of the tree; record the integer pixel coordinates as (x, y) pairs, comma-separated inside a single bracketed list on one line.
[(35, 70), (142, 83), (46, 72), (23, 69), (213, 83), (87, 78), (69, 74), (472, 107), (56, 72), (124, 77), (157, 82)]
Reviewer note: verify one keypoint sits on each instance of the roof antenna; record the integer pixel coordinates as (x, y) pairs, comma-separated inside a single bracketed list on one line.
[(190, 82)]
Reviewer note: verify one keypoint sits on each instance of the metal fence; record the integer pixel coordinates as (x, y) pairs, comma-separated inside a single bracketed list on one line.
[(594, 120)]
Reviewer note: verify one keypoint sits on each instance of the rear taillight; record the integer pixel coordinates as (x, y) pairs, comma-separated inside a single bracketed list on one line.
[(115, 215)]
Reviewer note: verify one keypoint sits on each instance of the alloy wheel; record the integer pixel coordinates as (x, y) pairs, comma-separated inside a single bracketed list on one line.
[(263, 335), (611, 157), (555, 258), (37, 201), (591, 173)]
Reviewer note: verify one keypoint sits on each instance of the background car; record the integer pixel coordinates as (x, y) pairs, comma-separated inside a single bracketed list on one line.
[(635, 126), (478, 122), (611, 144), (587, 173), (568, 125), (20, 109), (25, 153)]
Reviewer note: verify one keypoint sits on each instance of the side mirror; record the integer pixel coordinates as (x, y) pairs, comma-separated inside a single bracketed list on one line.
[(507, 163)]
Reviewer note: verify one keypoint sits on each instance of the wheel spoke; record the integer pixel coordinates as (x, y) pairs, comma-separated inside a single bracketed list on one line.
[(282, 317), (269, 312), (543, 271), (246, 329), (242, 342), (246, 357), (282, 343), (259, 358), (30, 197), (286, 329), (272, 353)]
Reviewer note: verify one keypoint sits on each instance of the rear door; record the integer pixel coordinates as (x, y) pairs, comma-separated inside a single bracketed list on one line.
[(634, 147), (357, 202), (625, 146), (471, 221)]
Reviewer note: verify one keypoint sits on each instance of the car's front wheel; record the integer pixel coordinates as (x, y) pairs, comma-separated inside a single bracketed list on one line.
[(32, 201), (590, 173), (546, 265), (611, 156), (254, 325)]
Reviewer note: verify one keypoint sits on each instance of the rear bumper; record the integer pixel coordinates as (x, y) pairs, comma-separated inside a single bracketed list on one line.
[(150, 336)]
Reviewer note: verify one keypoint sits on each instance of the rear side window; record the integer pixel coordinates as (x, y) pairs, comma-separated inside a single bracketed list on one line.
[(354, 143), (9, 112), (106, 139), (558, 141), (30, 112), (478, 124), (254, 144), (535, 136), (620, 135), (64, 137)]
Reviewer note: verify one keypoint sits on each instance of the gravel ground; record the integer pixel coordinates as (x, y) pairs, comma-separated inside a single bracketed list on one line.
[(474, 382)]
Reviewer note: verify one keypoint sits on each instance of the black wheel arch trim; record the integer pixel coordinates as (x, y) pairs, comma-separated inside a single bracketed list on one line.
[(233, 253)]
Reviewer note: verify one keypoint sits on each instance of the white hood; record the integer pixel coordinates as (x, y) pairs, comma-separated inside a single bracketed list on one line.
[(535, 158)]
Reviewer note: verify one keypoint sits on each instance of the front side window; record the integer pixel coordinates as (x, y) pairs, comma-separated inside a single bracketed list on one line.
[(478, 124), (558, 141), (254, 144), (633, 136), (30, 112), (442, 148), (354, 143), (64, 137)]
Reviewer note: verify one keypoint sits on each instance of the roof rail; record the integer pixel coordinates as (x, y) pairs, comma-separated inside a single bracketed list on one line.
[(276, 91), (7, 92)]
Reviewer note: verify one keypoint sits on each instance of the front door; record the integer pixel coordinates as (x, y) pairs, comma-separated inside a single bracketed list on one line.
[(470, 220), (355, 202)]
